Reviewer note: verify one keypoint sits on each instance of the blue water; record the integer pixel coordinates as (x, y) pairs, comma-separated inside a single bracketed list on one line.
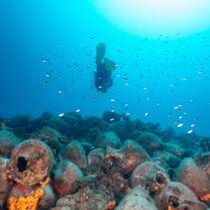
[(161, 73)]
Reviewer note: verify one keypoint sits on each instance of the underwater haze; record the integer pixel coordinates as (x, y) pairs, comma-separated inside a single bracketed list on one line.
[(48, 62)]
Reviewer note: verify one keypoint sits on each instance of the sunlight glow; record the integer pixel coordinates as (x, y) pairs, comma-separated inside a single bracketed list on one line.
[(155, 17)]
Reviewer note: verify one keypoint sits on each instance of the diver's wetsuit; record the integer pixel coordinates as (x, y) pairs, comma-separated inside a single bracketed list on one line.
[(103, 78)]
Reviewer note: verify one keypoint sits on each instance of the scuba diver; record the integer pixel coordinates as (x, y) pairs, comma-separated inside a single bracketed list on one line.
[(104, 70)]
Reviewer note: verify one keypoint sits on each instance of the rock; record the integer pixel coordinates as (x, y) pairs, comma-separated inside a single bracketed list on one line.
[(75, 153), (5, 183), (93, 121), (93, 127), (22, 197), (119, 128), (203, 162), (191, 175), (58, 124), (160, 161), (21, 125), (134, 134), (47, 200), (111, 116), (90, 198), (189, 152), (174, 149), (8, 141), (172, 160), (75, 123), (50, 137), (96, 157), (205, 144), (62, 208), (149, 176), (31, 161), (127, 157), (136, 199), (87, 147), (72, 119), (20, 120), (42, 121), (150, 142), (66, 177), (176, 195), (108, 139)]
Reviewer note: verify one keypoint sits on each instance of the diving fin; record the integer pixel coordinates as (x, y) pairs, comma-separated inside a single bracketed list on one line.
[(109, 64), (100, 52)]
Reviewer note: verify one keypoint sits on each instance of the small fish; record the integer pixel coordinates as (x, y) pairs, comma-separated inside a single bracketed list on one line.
[(44, 60), (132, 157), (158, 104), (176, 107), (78, 110), (190, 131), (60, 91), (48, 75), (192, 125), (146, 113), (61, 115), (180, 125)]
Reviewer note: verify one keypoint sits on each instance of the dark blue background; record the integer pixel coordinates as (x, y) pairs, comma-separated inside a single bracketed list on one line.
[(66, 33)]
